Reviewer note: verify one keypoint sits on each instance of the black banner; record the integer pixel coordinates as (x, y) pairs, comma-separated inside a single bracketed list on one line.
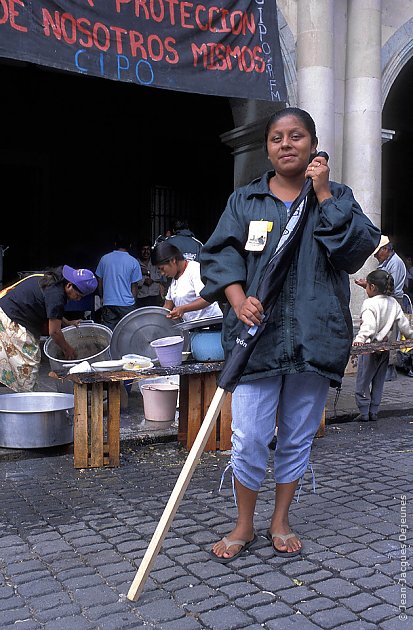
[(220, 47)]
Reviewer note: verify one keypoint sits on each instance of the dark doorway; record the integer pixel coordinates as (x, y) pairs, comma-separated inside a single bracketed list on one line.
[(82, 157), (397, 218)]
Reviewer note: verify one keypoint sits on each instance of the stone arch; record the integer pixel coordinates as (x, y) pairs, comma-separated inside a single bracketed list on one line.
[(396, 52)]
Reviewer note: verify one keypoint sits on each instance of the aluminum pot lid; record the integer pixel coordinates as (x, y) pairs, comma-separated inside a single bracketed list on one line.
[(135, 331), (35, 402), (202, 322)]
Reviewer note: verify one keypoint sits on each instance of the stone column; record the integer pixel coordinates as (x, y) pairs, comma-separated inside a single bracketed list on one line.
[(315, 66), (362, 119)]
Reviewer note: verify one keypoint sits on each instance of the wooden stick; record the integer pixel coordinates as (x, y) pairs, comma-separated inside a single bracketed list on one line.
[(177, 493)]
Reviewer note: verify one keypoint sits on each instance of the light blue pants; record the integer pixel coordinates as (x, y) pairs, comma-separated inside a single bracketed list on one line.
[(300, 399)]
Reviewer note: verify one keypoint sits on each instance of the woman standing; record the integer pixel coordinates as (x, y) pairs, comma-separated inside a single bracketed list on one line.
[(305, 346), (35, 307)]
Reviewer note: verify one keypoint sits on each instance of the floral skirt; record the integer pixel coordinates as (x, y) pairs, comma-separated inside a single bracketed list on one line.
[(20, 356)]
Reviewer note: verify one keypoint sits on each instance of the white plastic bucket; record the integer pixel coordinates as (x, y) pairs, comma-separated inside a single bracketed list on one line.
[(159, 401), (169, 350)]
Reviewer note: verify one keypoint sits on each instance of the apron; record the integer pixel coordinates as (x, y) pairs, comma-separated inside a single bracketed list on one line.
[(20, 353)]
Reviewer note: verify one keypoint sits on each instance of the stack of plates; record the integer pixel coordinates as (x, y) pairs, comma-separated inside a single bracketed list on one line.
[(137, 364), (131, 363)]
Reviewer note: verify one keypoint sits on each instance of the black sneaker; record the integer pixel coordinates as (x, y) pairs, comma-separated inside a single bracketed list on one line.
[(361, 418), (373, 417)]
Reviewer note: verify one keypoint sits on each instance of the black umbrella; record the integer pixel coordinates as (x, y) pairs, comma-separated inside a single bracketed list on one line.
[(269, 287)]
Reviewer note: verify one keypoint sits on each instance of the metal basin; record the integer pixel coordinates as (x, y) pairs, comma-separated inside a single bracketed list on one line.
[(91, 342), (36, 419)]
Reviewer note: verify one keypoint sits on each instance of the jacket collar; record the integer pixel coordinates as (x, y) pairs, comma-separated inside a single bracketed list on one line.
[(260, 186)]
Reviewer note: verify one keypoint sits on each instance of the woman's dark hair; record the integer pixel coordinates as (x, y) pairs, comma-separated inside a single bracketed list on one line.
[(165, 251), (52, 276), (383, 280), (301, 114)]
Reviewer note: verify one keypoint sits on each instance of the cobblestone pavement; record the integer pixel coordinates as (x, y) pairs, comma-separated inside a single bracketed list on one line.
[(71, 541)]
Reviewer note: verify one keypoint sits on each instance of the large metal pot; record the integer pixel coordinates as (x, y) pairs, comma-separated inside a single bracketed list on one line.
[(36, 419), (91, 342)]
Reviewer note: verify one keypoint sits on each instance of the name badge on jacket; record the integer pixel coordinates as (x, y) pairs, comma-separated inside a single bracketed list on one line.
[(257, 235)]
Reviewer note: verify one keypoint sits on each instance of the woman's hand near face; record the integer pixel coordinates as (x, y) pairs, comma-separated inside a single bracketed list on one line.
[(319, 171)]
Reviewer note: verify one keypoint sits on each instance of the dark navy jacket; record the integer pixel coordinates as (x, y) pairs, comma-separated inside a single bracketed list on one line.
[(309, 329), (189, 245)]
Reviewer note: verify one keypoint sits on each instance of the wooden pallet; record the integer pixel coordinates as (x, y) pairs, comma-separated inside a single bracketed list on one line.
[(196, 393), (96, 439)]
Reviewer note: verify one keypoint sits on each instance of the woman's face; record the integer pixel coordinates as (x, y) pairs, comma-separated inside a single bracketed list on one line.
[(72, 292), (169, 268), (289, 146)]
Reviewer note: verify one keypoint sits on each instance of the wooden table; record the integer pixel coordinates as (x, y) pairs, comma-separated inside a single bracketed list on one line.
[(97, 435)]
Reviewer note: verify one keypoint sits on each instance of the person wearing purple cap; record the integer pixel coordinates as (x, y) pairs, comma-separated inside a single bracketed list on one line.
[(32, 307)]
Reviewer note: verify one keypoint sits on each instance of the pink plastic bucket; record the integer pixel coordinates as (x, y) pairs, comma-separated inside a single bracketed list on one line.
[(169, 350), (159, 401)]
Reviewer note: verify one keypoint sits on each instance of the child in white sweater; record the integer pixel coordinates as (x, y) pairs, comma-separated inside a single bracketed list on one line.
[(378, 314)]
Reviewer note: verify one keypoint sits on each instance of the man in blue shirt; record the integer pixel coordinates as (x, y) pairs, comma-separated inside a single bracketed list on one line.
[(118, 275), (393, 264)]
